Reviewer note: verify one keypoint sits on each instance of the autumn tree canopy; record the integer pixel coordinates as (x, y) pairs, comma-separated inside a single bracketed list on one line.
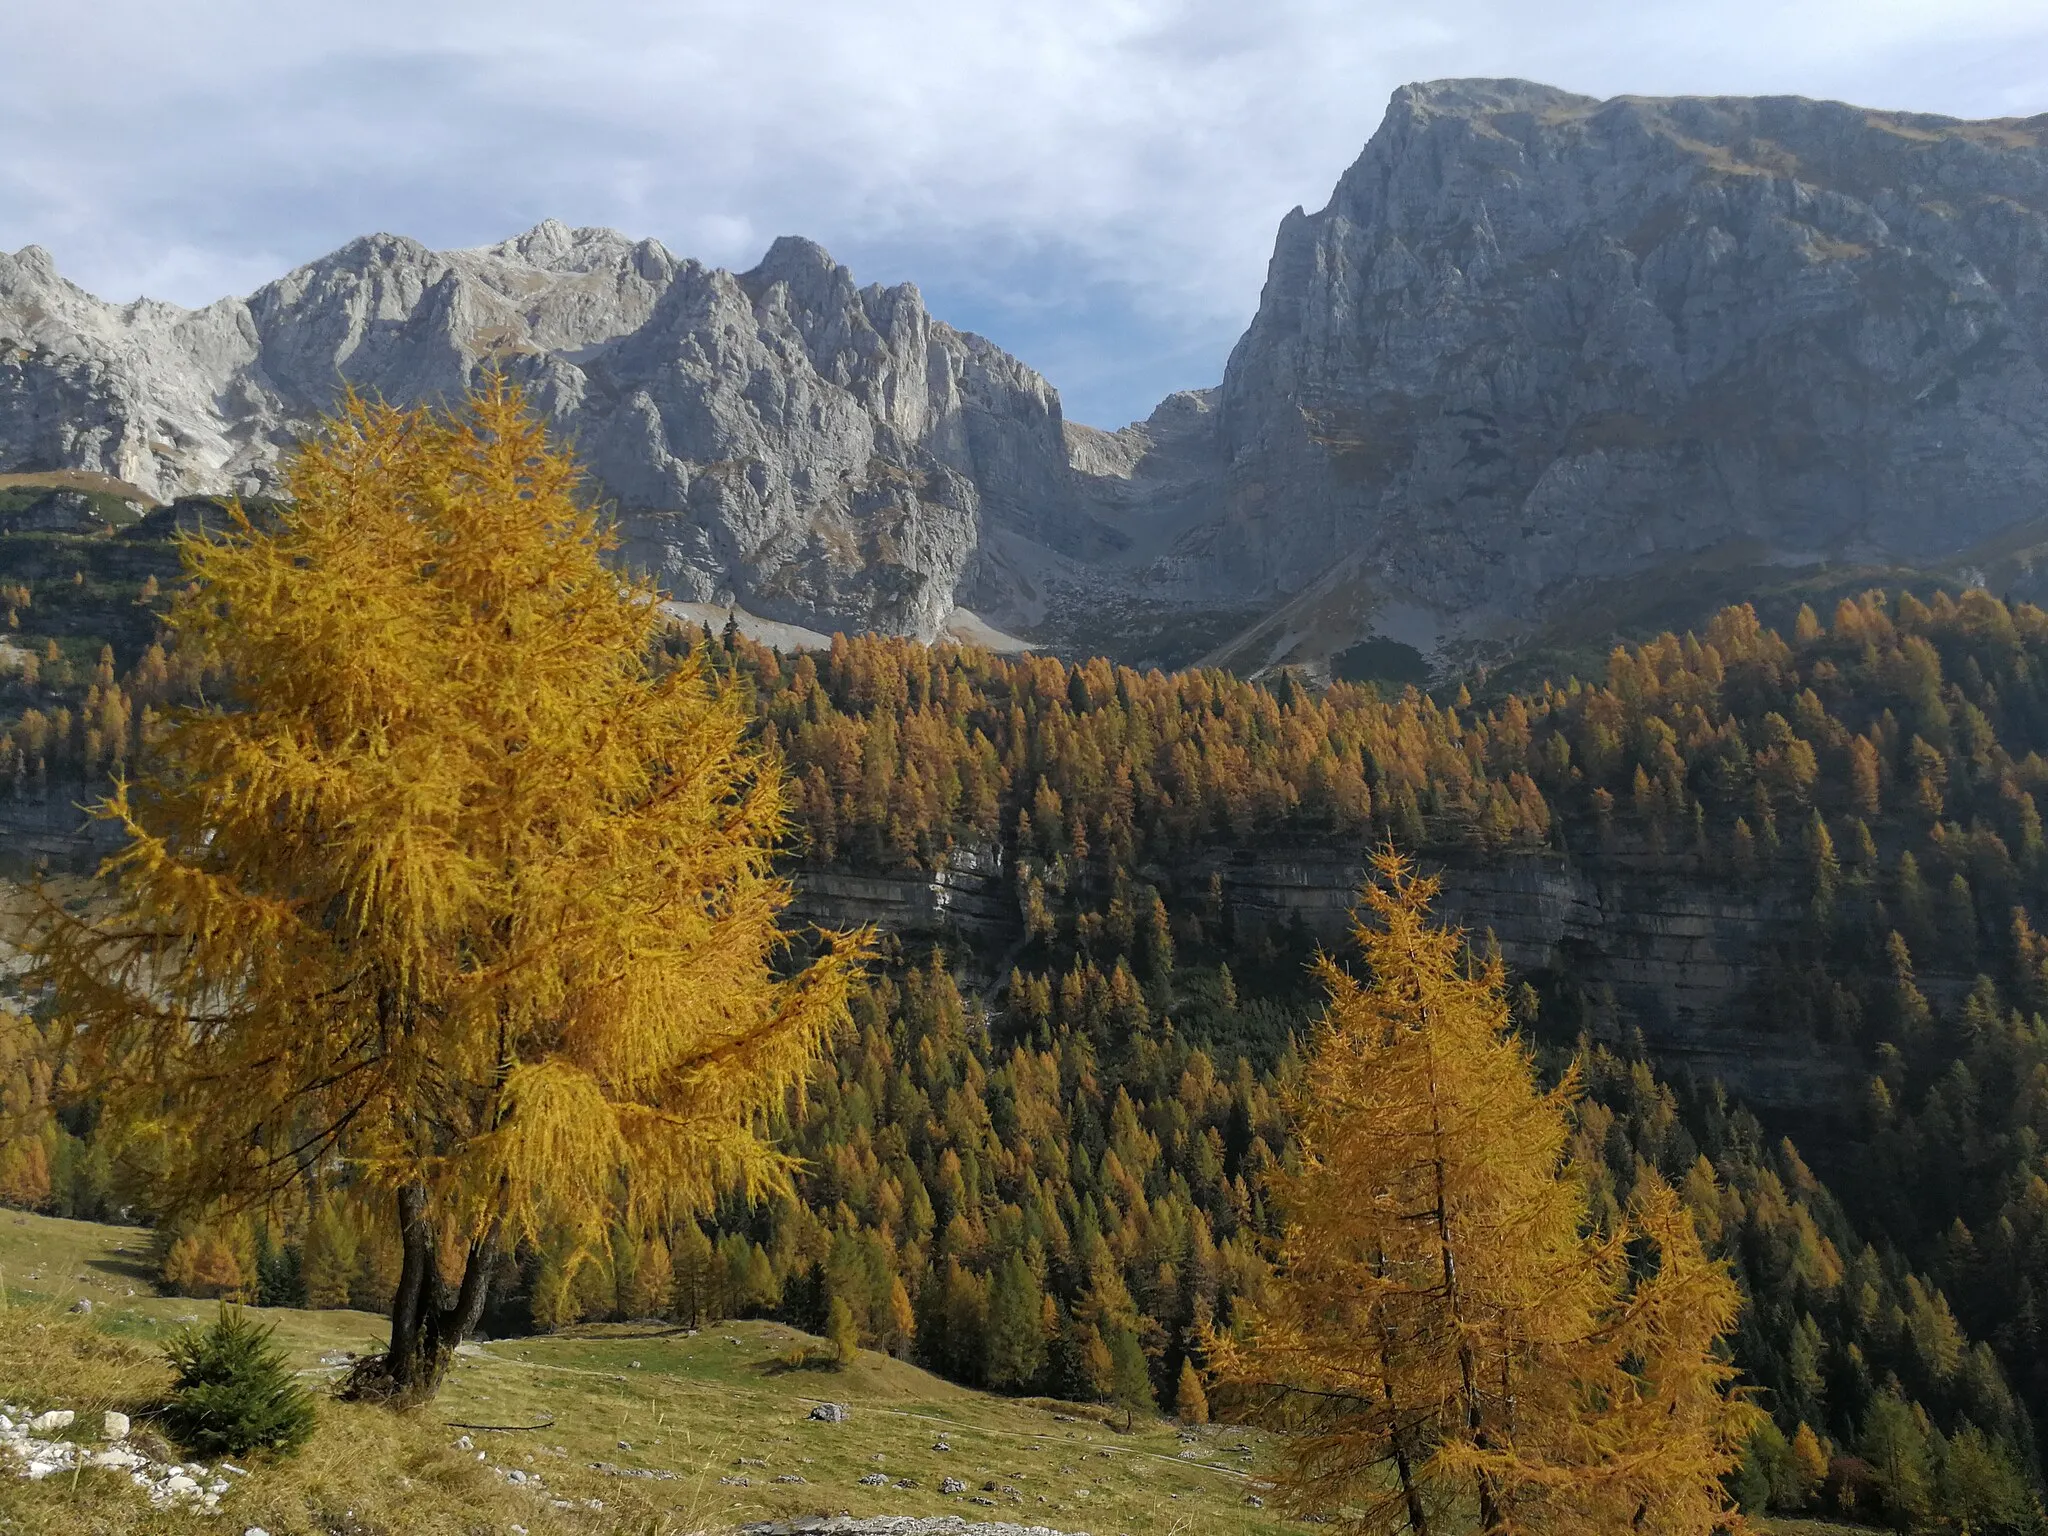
[(450, 901), (1451, 1344)]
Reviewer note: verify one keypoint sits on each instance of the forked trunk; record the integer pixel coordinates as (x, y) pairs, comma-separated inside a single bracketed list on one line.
[(427, 1319)]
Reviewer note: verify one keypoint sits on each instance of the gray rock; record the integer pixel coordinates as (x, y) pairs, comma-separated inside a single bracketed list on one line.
[(1537, 341), (830, 1413), (113, 1426), (779, 438), (54, 512), (1534, 343), (50, 1423)]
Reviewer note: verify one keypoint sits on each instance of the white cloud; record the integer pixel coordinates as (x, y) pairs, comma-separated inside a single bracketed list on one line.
[(1094, 182)]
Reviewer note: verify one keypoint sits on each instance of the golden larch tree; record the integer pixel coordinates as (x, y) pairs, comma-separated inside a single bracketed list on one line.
[(455, 899), (1447, 1342)]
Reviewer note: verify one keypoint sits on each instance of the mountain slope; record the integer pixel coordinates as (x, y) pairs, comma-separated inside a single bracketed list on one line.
[(819, 452), (1537, 339), (1535, 344)]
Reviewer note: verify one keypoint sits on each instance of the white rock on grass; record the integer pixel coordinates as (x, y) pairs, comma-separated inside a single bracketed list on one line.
[(35, 1456)]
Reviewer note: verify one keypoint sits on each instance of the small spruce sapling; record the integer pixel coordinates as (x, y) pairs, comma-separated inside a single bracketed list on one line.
[(841, 1334), (234, 1392)]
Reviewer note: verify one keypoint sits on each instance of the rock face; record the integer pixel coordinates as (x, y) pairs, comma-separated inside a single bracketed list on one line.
[(1535, 342), (1683, 958), (779, 438)]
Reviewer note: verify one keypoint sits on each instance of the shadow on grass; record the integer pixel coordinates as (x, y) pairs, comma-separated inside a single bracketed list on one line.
[(801, 1360), (645, 1328), (139, 1271)]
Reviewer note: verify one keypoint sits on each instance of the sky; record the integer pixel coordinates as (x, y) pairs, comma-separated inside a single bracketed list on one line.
[(1093, 184)]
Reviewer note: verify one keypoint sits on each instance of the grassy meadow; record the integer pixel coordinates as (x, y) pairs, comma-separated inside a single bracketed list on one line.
[(693, 1410)]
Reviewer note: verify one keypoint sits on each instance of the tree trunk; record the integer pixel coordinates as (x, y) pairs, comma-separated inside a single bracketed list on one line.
[(427, 1322), (1397, 1437)]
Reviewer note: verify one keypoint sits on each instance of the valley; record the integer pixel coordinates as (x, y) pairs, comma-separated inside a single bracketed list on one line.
[(1629, 511)]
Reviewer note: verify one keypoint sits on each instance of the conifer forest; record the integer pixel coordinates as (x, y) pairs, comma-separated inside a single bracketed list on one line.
[(1093, 1157)]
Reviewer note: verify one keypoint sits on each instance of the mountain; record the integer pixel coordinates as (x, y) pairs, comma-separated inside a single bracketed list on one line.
[(781, 438), (1535, 347), (1537, 341)]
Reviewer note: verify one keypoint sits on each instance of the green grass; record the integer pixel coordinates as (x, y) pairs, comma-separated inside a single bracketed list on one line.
[(700, 1408)]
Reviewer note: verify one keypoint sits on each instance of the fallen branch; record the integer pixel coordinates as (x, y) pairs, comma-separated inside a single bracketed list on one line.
[(546, 1423)]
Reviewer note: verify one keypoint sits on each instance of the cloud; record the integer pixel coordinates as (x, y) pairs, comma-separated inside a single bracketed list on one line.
[(1093, 183)]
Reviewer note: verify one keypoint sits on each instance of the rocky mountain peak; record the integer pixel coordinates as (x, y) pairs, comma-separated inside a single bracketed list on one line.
[(1537, 342), (1534, 345)]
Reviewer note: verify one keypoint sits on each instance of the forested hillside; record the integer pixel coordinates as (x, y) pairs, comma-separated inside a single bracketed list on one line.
[(1054, 1185)]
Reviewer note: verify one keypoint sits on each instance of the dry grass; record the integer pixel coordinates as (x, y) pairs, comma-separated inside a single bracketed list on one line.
[(690, 1409), (367, 1472)]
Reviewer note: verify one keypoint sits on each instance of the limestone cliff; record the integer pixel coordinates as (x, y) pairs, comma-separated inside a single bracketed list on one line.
[(1537, 340), (781, 438), (1534, 343)]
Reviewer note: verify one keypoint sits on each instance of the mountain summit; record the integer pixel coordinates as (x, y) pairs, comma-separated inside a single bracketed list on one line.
[(1535, 342), (778, 437)]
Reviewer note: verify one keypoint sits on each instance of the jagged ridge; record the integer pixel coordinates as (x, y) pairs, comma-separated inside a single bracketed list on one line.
[(1534, 342)]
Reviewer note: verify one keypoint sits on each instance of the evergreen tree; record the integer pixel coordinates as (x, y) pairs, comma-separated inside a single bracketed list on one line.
[(457, 892), (330, 1256), (1130, 1375), (1894, 1443), (1444, 1340), (692, 1266), (233, 1391), (1016, 1329), (841, 1335), (653, 1281)]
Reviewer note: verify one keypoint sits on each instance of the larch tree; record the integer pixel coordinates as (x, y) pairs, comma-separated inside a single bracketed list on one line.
[(455, 899), (1448, 1343)]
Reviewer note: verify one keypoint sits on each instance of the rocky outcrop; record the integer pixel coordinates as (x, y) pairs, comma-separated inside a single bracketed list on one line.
[(1534, 343), (968, 897), (1648, 941), (35, 1446), (814, 451), (1677, 956), (1656, 948), (1536, 340)]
